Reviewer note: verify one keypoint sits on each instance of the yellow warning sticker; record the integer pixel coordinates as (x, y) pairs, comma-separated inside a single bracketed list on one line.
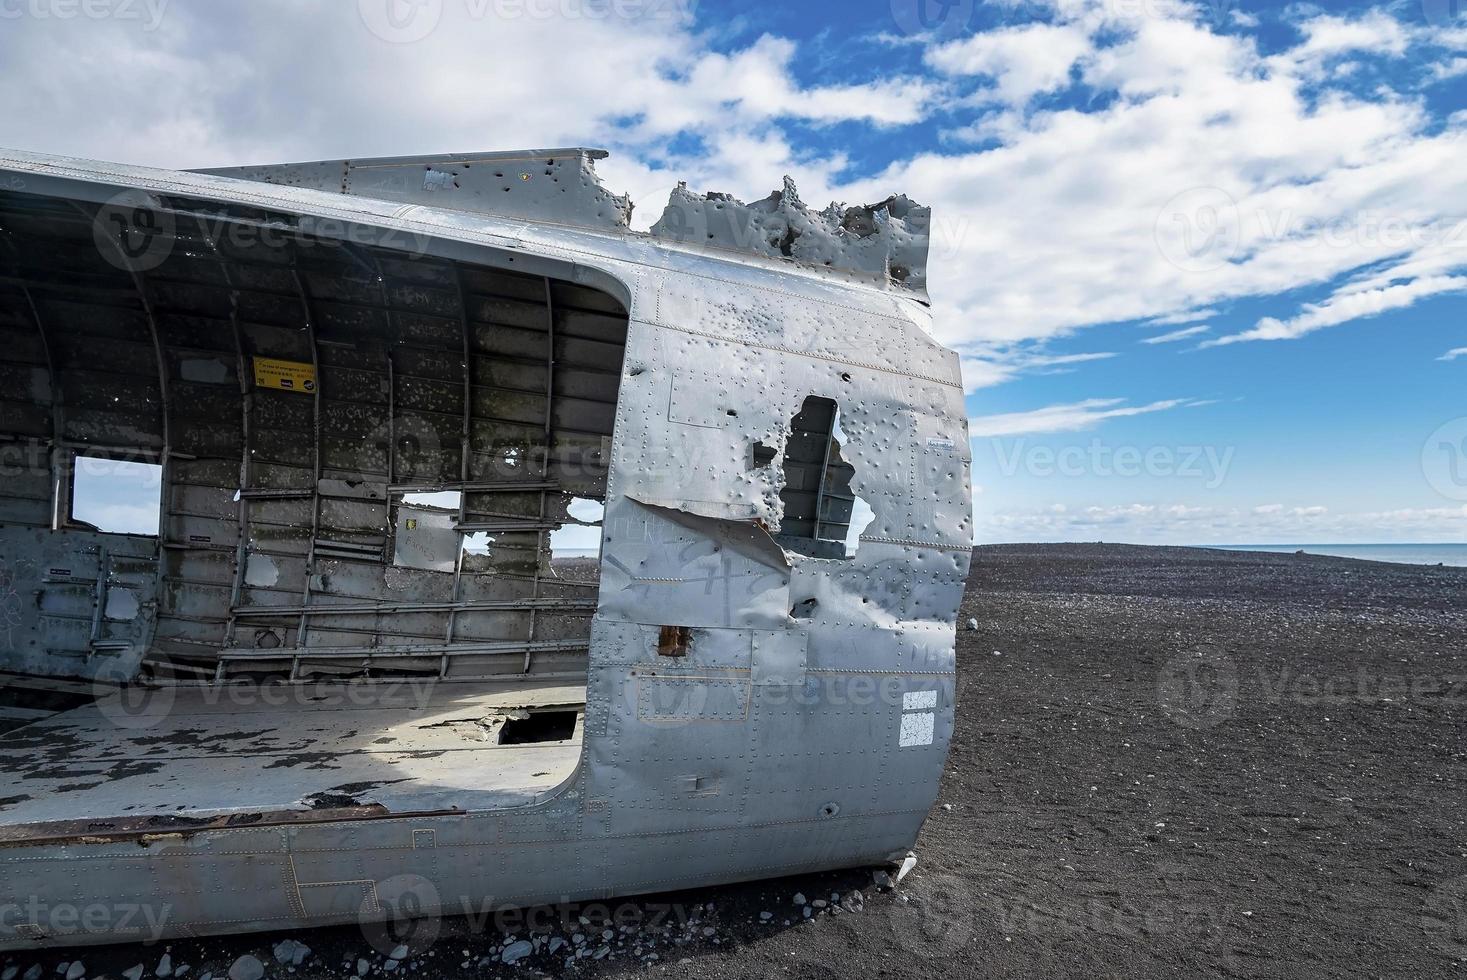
[(285, 375)]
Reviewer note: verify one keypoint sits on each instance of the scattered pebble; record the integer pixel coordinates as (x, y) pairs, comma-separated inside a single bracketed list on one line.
[(247, 968), (517, 951), (165, 966), (291, 953)]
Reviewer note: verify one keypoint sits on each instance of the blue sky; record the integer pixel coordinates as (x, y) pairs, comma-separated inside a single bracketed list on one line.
[(1205, 262)]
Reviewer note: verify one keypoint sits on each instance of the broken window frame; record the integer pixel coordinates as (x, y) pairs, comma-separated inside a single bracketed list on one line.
[(66, 488), (817, 423)]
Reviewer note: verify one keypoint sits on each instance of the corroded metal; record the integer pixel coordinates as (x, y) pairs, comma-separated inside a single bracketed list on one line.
[(750, 694)]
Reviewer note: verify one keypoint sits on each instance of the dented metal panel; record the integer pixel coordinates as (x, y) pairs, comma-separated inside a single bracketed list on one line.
[(762, 685)]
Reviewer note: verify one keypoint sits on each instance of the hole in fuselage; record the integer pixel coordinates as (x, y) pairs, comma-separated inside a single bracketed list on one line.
[(540, 726)]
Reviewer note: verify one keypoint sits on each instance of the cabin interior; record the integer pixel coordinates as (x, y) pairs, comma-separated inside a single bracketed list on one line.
[(324, 513)]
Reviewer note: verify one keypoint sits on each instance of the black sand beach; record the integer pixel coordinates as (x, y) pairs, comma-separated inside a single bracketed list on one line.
[(1168, 763)]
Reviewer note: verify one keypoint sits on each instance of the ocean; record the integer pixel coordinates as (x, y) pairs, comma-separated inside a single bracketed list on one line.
[(1401, 554)]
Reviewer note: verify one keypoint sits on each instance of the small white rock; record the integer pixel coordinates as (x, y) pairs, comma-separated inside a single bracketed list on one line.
[(906, 868)]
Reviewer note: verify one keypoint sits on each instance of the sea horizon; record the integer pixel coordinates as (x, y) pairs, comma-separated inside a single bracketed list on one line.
[(1446, 553)]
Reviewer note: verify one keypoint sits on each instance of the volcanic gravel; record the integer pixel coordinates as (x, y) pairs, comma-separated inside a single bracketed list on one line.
[(1168, 763)]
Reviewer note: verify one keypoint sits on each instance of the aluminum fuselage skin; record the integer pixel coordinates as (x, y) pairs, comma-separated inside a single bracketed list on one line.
[(778, 745)]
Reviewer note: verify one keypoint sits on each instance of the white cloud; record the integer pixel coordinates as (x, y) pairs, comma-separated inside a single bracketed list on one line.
[(1176, 335), (1455, 68), (1061, 216), (1181, 523), (1183, 318), (996, 366), (1345, 306), (1022, 61), (1452, 355), (1072, 417), (1329, 36), (1313, 184)]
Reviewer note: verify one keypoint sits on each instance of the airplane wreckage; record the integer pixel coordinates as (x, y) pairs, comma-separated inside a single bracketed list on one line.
[(349, 674)]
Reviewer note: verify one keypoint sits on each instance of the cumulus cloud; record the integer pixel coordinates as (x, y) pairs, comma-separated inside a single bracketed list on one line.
[(1196, 170), (1204, 172), (1452, 355), (1021, 61)]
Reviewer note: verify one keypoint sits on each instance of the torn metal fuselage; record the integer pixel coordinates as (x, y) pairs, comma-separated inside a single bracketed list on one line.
[(348, 694)]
